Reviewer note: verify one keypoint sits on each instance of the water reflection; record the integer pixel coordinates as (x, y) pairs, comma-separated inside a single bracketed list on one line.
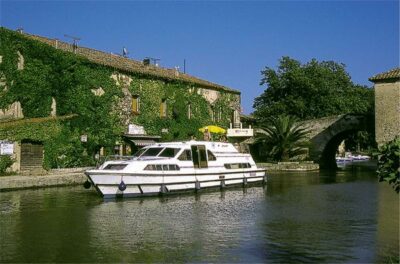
[(184, 228), (299, 217)]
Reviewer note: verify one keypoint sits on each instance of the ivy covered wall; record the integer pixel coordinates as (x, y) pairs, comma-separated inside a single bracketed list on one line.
[(70, 79)]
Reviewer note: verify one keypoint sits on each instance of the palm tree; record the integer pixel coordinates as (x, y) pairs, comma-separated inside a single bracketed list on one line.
[(282, 137)]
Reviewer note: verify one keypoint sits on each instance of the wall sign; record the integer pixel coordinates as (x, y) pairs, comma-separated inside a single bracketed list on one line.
[(83, 138), (6, 148), (136, 130)]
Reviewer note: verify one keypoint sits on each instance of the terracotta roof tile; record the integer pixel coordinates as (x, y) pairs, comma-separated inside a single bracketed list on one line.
[(393, 74), (129, 65)]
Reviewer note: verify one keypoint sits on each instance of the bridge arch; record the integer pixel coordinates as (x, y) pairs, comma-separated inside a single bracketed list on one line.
[(325, 142)]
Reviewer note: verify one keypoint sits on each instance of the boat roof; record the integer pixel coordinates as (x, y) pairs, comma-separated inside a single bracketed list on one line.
[(211, 145)]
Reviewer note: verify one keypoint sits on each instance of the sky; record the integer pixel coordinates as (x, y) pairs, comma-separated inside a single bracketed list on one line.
[(225, 42)]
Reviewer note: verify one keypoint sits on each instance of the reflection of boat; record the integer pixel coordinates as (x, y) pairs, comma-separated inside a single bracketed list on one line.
[(176, 166), (343, 159), (359, 157), (351, 158)]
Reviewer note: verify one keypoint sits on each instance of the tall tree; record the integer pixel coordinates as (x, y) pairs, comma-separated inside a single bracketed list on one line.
[(312, 90)]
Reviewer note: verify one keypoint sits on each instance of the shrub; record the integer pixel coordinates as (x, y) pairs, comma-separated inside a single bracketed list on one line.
[(5, 162), (388, 163)]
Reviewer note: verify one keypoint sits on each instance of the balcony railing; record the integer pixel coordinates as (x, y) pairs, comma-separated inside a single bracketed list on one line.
[(237, 130)]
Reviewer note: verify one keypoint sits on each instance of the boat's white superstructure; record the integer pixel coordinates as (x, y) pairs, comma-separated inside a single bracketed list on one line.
[(176, 166)]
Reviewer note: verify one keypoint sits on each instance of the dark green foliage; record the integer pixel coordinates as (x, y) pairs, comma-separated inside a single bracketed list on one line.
[(312, 90), (389, 163), (5, 162), (282, 138)]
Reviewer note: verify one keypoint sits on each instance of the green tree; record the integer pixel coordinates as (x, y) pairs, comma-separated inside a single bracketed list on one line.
[(312, 90), (282, 138)]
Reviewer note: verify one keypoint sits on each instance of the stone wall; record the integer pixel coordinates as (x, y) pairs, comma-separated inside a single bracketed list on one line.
[(289, 166), (14, 111), (58, 178), (387, 111)]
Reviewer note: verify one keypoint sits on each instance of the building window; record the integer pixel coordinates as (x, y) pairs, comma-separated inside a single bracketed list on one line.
[(135, 104), (213, 114), (235, 119), (163, 108), (189, 110), (219, 117)]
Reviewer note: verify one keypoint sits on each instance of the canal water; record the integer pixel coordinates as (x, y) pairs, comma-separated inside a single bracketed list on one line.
[(344, 216)]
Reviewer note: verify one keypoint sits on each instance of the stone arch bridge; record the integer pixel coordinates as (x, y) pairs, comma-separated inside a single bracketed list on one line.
[(327, 133)]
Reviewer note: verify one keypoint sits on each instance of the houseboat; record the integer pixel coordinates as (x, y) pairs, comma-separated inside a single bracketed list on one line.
[(175, 167)]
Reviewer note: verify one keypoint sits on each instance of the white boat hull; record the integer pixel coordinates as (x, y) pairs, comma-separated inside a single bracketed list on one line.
[(108, 185)]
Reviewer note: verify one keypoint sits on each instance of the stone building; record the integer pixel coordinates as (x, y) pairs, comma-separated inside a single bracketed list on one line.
[(387, 105), (148, 101)]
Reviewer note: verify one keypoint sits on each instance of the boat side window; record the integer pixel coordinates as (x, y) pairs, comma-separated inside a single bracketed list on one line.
[(211, 156), (162, 167), (115, 167), (169, 152), (173, 167), (244, 165), (233, 166), (186, 155), (152, 152)]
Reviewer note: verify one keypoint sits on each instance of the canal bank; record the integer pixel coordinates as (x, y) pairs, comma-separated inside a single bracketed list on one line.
[(290, 166), (76, 176), (53, 178)]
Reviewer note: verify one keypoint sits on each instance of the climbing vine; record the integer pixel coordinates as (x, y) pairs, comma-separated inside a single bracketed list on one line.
[(49, 75), (177, 125)]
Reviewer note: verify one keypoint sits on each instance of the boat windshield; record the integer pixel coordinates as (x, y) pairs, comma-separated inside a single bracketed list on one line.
[(151, 152), (169, 152), (139, 152)]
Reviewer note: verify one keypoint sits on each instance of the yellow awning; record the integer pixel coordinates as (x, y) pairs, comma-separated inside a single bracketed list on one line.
[(213, 129)]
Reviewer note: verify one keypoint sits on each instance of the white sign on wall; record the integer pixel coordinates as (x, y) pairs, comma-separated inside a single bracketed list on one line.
[(6, 148), (83, 138), (236, 132), (136, 130)]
